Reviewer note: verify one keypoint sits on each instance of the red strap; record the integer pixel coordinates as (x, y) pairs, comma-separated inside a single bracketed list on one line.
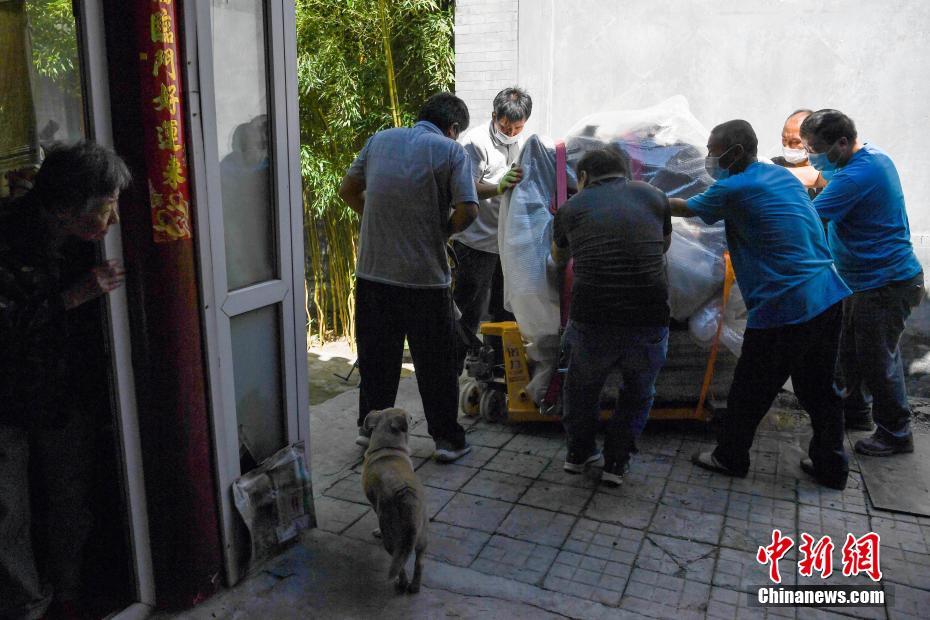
[(561, 178)]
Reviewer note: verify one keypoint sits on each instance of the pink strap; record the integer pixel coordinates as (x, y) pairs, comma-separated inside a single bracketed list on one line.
[(561, 180)]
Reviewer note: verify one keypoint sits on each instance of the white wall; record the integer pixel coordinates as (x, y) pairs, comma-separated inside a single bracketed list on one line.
[(751, 59)]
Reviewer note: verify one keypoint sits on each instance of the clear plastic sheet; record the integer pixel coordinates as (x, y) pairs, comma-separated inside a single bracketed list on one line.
[(665, 147)]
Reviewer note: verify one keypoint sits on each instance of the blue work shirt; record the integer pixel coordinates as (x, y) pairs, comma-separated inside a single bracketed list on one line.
[(413, 177), (868, 229), (783, 266)]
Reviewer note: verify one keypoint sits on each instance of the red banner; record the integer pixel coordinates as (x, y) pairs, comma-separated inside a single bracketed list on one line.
[(163, 122)]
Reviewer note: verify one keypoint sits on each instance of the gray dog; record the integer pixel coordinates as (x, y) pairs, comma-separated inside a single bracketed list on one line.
[(396, 494)]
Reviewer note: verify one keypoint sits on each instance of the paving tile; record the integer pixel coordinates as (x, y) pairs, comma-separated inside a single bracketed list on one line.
[(680, 558), (645, 479), (489, 438), (588, 577), (658, 442), (537, 525), (450, 476), (763, 462), (478, 457), (557, 497), (515, 559), (905, 552), (750, 520), (455, 545), (528, 465), (349, 489), (436, 500), (739, 570), (819, 522), (702, 499), (546, 447), (852, 499), (335, 515), (767, 485), (471, 511), (687, 524), (362, 529), (628, 512), (908, 603), (497, 485), (604, 541), (683, 470), (665, 596)]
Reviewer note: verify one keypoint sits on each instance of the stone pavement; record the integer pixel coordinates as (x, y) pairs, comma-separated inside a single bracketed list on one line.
[(513, 536)]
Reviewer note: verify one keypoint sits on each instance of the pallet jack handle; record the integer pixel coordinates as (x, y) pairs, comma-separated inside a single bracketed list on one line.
[(728, 278)]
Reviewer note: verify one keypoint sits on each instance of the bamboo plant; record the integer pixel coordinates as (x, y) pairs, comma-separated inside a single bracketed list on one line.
[(363, 66)]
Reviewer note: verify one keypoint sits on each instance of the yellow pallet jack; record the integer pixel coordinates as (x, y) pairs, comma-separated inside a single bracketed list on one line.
[(501, 396)]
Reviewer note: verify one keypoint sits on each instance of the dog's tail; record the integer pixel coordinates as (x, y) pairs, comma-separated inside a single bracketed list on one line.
[(405, 537)]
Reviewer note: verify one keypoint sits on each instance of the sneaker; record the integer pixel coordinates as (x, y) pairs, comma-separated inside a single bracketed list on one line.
[(575, 464), (446, 452), (858, 421), (807, 466), (364, 437), (882, 443), (612, 475)]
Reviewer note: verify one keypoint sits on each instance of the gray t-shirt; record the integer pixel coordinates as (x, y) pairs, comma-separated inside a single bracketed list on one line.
[(413, 177), (615, 230), (490, 159)]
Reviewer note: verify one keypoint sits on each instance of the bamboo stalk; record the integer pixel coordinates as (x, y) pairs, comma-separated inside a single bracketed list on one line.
[(389, 62)]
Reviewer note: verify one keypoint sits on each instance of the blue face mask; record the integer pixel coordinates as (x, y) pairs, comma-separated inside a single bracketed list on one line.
[(821, 162), (713, 167)]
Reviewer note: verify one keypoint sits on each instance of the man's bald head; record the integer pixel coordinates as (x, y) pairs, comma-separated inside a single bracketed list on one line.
[(791, 132)]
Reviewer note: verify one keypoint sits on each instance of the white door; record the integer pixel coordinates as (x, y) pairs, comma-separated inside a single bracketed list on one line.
[(249, 219)]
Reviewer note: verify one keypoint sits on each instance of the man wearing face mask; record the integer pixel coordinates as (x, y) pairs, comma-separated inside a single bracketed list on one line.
[(869, 235), (492, 149), (794, 156), (793, 294)]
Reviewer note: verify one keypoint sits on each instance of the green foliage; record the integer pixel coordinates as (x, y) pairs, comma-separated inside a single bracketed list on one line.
[(343, 91), (54, 41)]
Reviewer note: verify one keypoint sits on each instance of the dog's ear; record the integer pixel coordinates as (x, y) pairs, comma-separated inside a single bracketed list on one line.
[(399, 423), (372, 419)]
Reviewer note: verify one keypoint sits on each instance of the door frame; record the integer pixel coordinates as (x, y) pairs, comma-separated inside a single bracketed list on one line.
[(96, 96), (286, 291)]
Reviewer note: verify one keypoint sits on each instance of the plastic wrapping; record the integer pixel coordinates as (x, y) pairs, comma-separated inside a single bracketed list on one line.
[(704, 321), (665, 147)]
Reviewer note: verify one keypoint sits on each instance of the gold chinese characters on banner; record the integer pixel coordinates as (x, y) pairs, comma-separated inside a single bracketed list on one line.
[(165, 150)]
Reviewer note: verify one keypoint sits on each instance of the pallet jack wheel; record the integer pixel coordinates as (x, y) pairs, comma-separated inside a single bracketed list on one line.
[(470, 398), (493, 406)]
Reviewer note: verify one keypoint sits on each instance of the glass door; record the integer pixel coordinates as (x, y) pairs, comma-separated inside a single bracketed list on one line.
[(247, 181), (54, 89)]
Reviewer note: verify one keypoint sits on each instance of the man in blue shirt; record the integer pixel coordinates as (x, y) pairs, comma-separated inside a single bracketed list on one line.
[(792, 292), (412, 187), (870, 238)]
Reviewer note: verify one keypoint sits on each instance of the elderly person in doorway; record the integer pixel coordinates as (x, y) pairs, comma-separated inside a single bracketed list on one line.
[(43, 435)]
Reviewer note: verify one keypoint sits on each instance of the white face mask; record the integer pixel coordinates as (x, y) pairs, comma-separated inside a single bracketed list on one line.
[(504, 138), (794, 156)]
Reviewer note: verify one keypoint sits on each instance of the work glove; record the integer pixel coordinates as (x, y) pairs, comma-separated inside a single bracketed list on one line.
[(510, 178)]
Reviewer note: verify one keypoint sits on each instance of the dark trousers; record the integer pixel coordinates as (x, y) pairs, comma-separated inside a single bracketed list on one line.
[(870, 358), (479, 287), (45, 518), (593, 351), (806, 353), (384, 316)]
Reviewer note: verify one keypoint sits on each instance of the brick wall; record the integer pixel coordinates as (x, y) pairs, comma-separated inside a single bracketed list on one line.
[(485, 52)]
